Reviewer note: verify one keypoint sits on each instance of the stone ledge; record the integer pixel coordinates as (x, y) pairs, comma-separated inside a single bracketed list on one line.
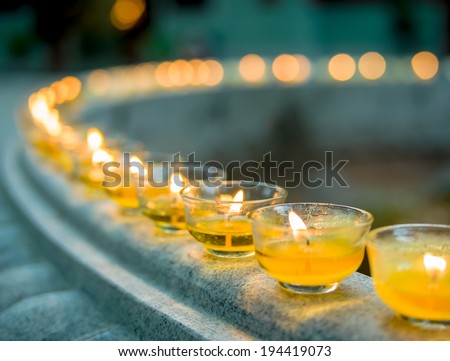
[(126, 296), (168, 288)]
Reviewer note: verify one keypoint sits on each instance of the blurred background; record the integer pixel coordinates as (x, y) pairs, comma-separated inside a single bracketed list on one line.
[(394, 127), (82, 34)]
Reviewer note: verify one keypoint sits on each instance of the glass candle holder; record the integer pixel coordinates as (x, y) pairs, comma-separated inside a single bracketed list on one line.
[(410, 266), (121, 183), (68, 141), (159, 191), (90, 156), (310, 247), (216, 216)]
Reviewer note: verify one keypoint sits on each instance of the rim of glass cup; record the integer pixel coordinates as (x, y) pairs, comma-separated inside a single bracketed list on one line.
[(372, 236), (282, 193), (365, 223)]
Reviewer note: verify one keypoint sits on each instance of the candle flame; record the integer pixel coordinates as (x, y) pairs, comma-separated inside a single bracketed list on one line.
[(134, 169), (38, 107), (52, 123), (236, 207), (49, 96), (175, 188), (94, 139), (434, 263), (101, 156), (296, 222)]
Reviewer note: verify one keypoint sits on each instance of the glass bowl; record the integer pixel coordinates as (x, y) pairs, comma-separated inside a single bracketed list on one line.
[(410, 266), (216, 216), (310, 247)]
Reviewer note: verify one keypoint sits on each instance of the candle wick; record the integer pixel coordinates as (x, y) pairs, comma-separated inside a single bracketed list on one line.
[(434, 276), (296, 236)]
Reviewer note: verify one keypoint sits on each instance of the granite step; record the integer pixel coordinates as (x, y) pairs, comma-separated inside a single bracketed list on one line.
[(29, 280), (14, 257), (62, 315), (36, 302)]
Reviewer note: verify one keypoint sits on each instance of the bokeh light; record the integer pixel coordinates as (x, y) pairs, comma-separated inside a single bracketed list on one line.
[(73, 87), (94, 138), (200, 72), (252, 68), (342, 67), (38, 107), (291, 68), (162, 74), (425, 65), (285, 68), (126, 13), (143, 76), (215, 72), (372, 65), (49, 96), (180, 73), (99, 82), (52, 123), (61, 90)]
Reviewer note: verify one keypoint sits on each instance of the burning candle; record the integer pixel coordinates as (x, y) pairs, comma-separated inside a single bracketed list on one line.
[(164, 206), (90, 156), (410, 269), (125, 193), (99, 157), (310, 247), (95, 139), (216, 216), (47, 123), (159, 192)]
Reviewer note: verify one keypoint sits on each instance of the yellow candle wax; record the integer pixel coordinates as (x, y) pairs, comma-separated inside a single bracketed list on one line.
[(319, 263), (310, 247), (165, 210), (126, 193), (164, 206), (229, 235), (414, 283), (125, 197), (416, 294), (91, 157)]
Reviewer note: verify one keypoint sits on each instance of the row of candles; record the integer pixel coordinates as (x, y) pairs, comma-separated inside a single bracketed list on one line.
[(253, 69), (309, 248)]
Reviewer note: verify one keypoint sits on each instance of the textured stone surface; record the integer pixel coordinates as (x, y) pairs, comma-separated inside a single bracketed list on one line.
[(64, 315), (28, 280), (234, 291), (36, 303), (15, 256)]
